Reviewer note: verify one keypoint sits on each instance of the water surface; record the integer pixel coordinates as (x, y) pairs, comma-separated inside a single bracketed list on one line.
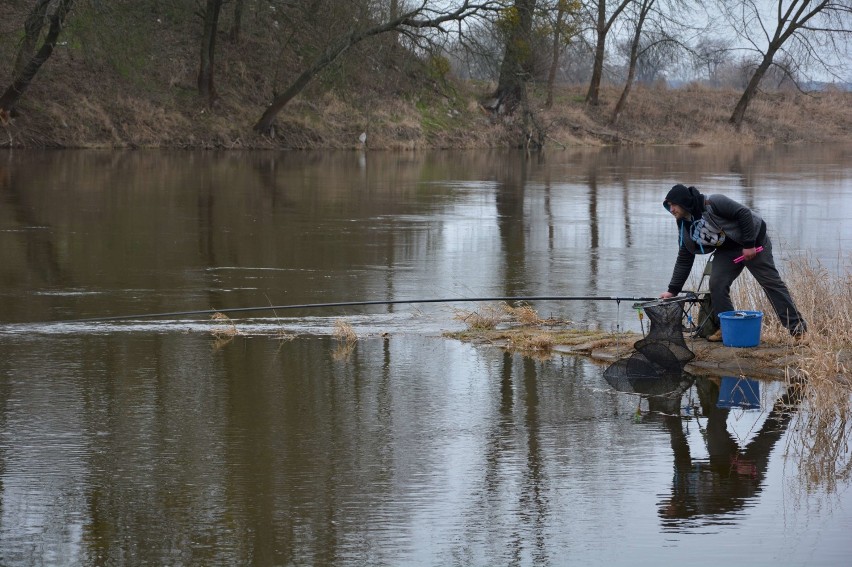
[(169, 441)]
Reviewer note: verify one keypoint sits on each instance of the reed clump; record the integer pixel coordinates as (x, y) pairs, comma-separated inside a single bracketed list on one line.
[(523, 314), (346, 340), (522, 330), (489, 317), (224, 330), (824, 298), (486, 318), (820, 366)]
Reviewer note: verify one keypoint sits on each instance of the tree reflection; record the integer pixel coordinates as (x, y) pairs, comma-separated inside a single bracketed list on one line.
[(511, 221), (518, 430)]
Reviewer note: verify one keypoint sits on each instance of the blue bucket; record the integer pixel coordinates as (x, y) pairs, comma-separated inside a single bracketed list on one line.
[(737, 392), (741, 328)]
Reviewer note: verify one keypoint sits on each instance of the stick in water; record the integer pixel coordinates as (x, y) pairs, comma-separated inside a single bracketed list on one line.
[(739, 259)]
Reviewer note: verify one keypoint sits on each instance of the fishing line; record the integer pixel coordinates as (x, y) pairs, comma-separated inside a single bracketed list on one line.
[(198, 312)]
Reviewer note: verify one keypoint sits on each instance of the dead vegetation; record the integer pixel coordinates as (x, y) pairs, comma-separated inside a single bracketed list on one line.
[(72, 105), (823, 297), (346, 340), (822, 367), (521, 329), (123, 76), (224, 330), (825, 300)]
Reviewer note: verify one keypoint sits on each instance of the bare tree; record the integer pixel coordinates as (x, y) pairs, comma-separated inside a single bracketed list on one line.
[(475, 53), (643, 9), (206, 85), (516, 68), (712, 54), (603, 25), (657, 51), (577, 63), (410, 23), (810, 32), (563, 29), (25, 72), (33, 26)]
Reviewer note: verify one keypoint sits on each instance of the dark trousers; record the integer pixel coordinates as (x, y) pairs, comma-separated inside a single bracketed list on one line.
[(762, 267)]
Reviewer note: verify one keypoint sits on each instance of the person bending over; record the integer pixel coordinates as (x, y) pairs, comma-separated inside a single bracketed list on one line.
[(708, 223)]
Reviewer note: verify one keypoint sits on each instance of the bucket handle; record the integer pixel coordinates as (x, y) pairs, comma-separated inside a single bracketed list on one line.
[(744, 315)]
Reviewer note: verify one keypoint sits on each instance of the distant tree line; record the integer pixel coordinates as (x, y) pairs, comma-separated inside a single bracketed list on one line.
[(510, 44)]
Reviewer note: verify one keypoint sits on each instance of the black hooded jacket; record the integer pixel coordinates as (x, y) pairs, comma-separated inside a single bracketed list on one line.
[(717, 222)]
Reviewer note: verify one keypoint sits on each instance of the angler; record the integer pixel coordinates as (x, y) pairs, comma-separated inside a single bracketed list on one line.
[(718, 224)]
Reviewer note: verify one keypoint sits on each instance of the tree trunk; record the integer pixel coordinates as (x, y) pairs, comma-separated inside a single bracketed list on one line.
[(602, 28), (206, 85), (554, 59), (515, 68), (593, 95), (750, 90), (264, 125), (644, 9), (795, 17), (622, 100), (28, 72), (32, 31), (405, 20), (237, 27)]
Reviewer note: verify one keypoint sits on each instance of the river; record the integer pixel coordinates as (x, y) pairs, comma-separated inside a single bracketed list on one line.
[(258, 440)]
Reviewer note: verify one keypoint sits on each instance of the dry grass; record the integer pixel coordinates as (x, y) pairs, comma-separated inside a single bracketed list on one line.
[(822, 434), (346, 340), (115, 111), (521, 329), (224, 330), (822, 430), (224, 325), (825, 301), (534, 345), (489, 317), (523, 314), (344, 332), (698, 115), (485, 318)]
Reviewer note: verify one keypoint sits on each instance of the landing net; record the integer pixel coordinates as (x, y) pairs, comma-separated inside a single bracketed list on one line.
[(660, 357)]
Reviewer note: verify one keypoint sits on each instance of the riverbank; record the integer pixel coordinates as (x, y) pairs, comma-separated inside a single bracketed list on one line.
[(64, 109), (823, 298), (128, 77), (769, 360)]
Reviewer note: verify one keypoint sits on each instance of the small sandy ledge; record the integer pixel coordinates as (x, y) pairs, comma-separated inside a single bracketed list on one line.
[(769, 361)]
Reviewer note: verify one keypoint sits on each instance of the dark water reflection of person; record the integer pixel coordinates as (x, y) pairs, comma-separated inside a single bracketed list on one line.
[(705, 489)]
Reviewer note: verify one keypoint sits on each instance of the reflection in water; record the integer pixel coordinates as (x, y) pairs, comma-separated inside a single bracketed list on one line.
[(822, 436), (512, 222), (705, 491), (112, 233), (141, 443), (594, 238), (532, 502)]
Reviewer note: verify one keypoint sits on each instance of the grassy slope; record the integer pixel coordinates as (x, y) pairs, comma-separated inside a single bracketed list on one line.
[(76, 101)]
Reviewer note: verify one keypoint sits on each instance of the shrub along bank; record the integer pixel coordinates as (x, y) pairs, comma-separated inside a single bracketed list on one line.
[(76, 108)]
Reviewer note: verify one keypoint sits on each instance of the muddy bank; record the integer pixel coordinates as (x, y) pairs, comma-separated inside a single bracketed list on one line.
[(767, 360)]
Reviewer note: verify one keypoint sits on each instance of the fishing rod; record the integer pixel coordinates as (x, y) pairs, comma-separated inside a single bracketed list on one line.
[(354, 304)]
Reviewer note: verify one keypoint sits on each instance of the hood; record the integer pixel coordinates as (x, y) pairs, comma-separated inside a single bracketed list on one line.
[(687, 197)]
